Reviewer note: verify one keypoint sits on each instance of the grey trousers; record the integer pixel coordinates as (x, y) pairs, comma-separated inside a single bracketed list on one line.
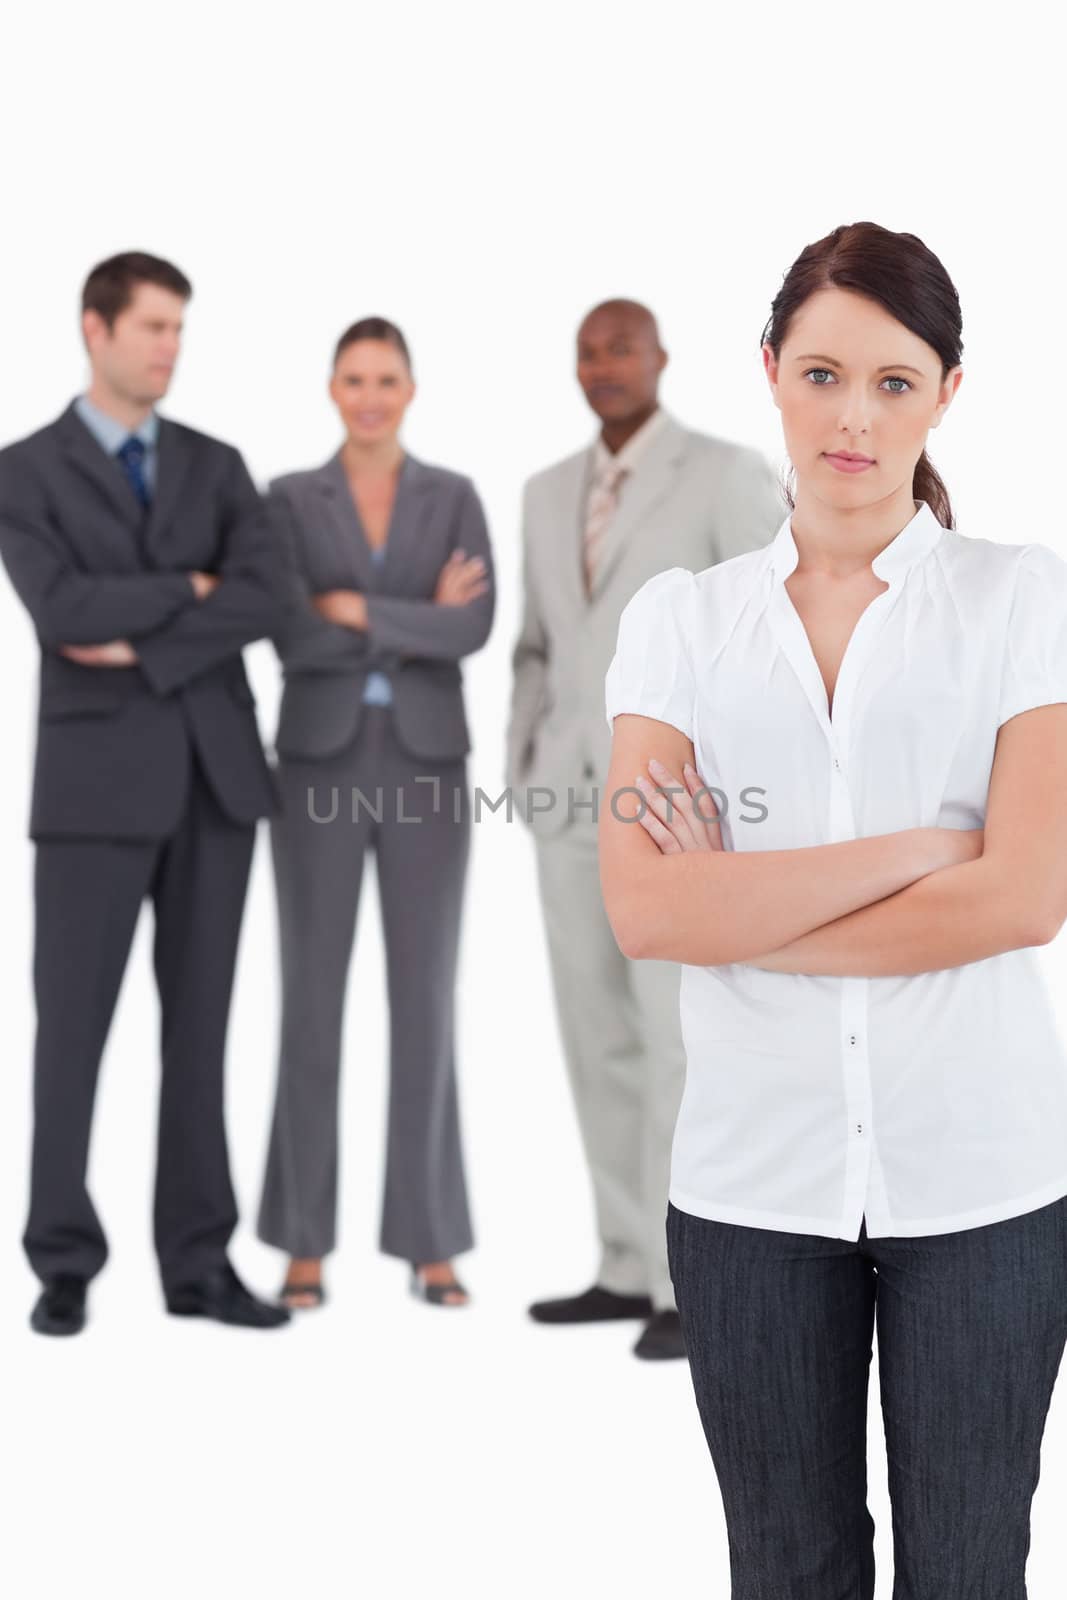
[(373, 794), (89, 894), (621, 1033)]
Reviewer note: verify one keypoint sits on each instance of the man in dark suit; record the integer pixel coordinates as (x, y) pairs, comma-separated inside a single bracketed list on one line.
[(140, 549)]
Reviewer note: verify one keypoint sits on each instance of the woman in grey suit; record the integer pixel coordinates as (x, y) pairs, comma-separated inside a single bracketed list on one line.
[(391, 585)]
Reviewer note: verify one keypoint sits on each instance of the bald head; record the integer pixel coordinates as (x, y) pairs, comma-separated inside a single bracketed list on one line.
[(637, 319), (620, 359)]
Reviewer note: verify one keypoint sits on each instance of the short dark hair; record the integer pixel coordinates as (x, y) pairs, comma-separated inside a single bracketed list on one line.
[(109, 287), (373, 328)]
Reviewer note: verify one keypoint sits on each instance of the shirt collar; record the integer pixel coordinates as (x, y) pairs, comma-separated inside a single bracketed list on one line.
[(111, 434), (914, 541), (633, 449)]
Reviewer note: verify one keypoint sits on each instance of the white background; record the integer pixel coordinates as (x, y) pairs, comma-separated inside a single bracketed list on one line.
[(481, 173)]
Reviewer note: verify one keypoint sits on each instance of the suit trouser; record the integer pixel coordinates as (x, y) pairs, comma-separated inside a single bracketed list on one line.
[(88, 895), (332, 811), (621, 1034)]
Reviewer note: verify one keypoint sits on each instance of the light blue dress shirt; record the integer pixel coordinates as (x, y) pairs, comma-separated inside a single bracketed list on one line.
[(377, 691), (111, 435)]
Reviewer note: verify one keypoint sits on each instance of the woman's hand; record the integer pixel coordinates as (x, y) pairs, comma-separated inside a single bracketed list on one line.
[(679, 815), (460, 580), (346, 607)]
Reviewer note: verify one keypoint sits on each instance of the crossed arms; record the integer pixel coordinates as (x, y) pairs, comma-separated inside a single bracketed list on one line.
[(893, 905), (332, 629), (174, 625)]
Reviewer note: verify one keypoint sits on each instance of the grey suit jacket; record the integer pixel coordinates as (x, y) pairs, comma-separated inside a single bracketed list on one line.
[(692, 501), (113, 743), (417, 642)]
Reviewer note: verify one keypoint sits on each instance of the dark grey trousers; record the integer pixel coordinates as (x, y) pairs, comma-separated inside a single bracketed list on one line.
[(333, 811), (971, 1330), (89, 894)]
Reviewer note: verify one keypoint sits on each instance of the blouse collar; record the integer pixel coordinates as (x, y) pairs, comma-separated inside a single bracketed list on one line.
[(914, 541)]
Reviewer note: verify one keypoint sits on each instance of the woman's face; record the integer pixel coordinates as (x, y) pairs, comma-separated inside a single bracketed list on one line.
[(371, 388), (858, 393)]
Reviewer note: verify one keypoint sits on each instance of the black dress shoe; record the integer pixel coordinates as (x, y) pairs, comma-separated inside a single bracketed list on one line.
[(662, 1338), (221, 1295), (595, 1305), (60, 1308)]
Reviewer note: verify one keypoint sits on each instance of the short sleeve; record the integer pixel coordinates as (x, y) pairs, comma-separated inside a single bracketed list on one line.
[(1035, 650), (650, 673)]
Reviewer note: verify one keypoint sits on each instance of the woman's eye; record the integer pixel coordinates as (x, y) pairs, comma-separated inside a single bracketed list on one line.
[(903, 382), (819, 376)]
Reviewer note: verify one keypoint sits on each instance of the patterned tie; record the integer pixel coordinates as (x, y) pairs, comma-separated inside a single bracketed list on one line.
[(130, 457), (603, 501)]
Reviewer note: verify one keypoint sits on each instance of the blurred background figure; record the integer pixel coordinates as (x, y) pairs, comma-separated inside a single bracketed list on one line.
[(648, 494), (391, 586), (142, 552)]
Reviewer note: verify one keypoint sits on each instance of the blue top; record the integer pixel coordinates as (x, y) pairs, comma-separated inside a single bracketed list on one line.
[(377, 691), (111, 435)]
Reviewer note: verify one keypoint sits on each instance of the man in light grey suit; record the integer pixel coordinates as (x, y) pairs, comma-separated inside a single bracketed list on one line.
[(650, 494)]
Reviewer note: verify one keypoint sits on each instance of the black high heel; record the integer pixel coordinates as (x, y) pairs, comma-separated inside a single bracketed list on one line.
[(435, 1294), (317, 1292)]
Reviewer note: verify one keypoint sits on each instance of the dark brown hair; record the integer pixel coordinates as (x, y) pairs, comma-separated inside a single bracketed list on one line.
[(373, 328), (109, 288), (901, 274)]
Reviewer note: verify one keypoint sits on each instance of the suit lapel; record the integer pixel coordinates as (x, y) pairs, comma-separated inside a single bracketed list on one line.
[(139, 534), (173, 460), (654, 476), (348, 538), (91, 462), (572, 488), (405, 525), (341, 524)]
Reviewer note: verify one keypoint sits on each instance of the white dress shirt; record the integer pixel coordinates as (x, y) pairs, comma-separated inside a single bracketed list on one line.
[(927, 1103), (111, 435)]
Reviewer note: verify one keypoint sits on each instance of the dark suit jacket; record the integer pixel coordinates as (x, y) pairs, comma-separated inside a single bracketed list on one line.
[(113, 743), (417, 642)]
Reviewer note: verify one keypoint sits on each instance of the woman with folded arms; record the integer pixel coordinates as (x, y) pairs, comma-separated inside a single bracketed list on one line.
[(873, 1132), (392, 585)]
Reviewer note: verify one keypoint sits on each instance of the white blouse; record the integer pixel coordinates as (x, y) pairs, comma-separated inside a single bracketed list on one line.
[(927, 1103)]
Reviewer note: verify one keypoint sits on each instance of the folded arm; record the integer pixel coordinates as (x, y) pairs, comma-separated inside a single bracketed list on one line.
[(715, 907), (68, 606), (424, 628), (1014, 895), (305, 640), (245, 605)]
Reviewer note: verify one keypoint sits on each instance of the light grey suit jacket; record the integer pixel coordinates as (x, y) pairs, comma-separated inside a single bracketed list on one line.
[(692, 501), (416, 641)]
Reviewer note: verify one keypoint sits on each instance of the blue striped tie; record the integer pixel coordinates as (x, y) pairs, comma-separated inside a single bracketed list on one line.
[(130, 457)]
